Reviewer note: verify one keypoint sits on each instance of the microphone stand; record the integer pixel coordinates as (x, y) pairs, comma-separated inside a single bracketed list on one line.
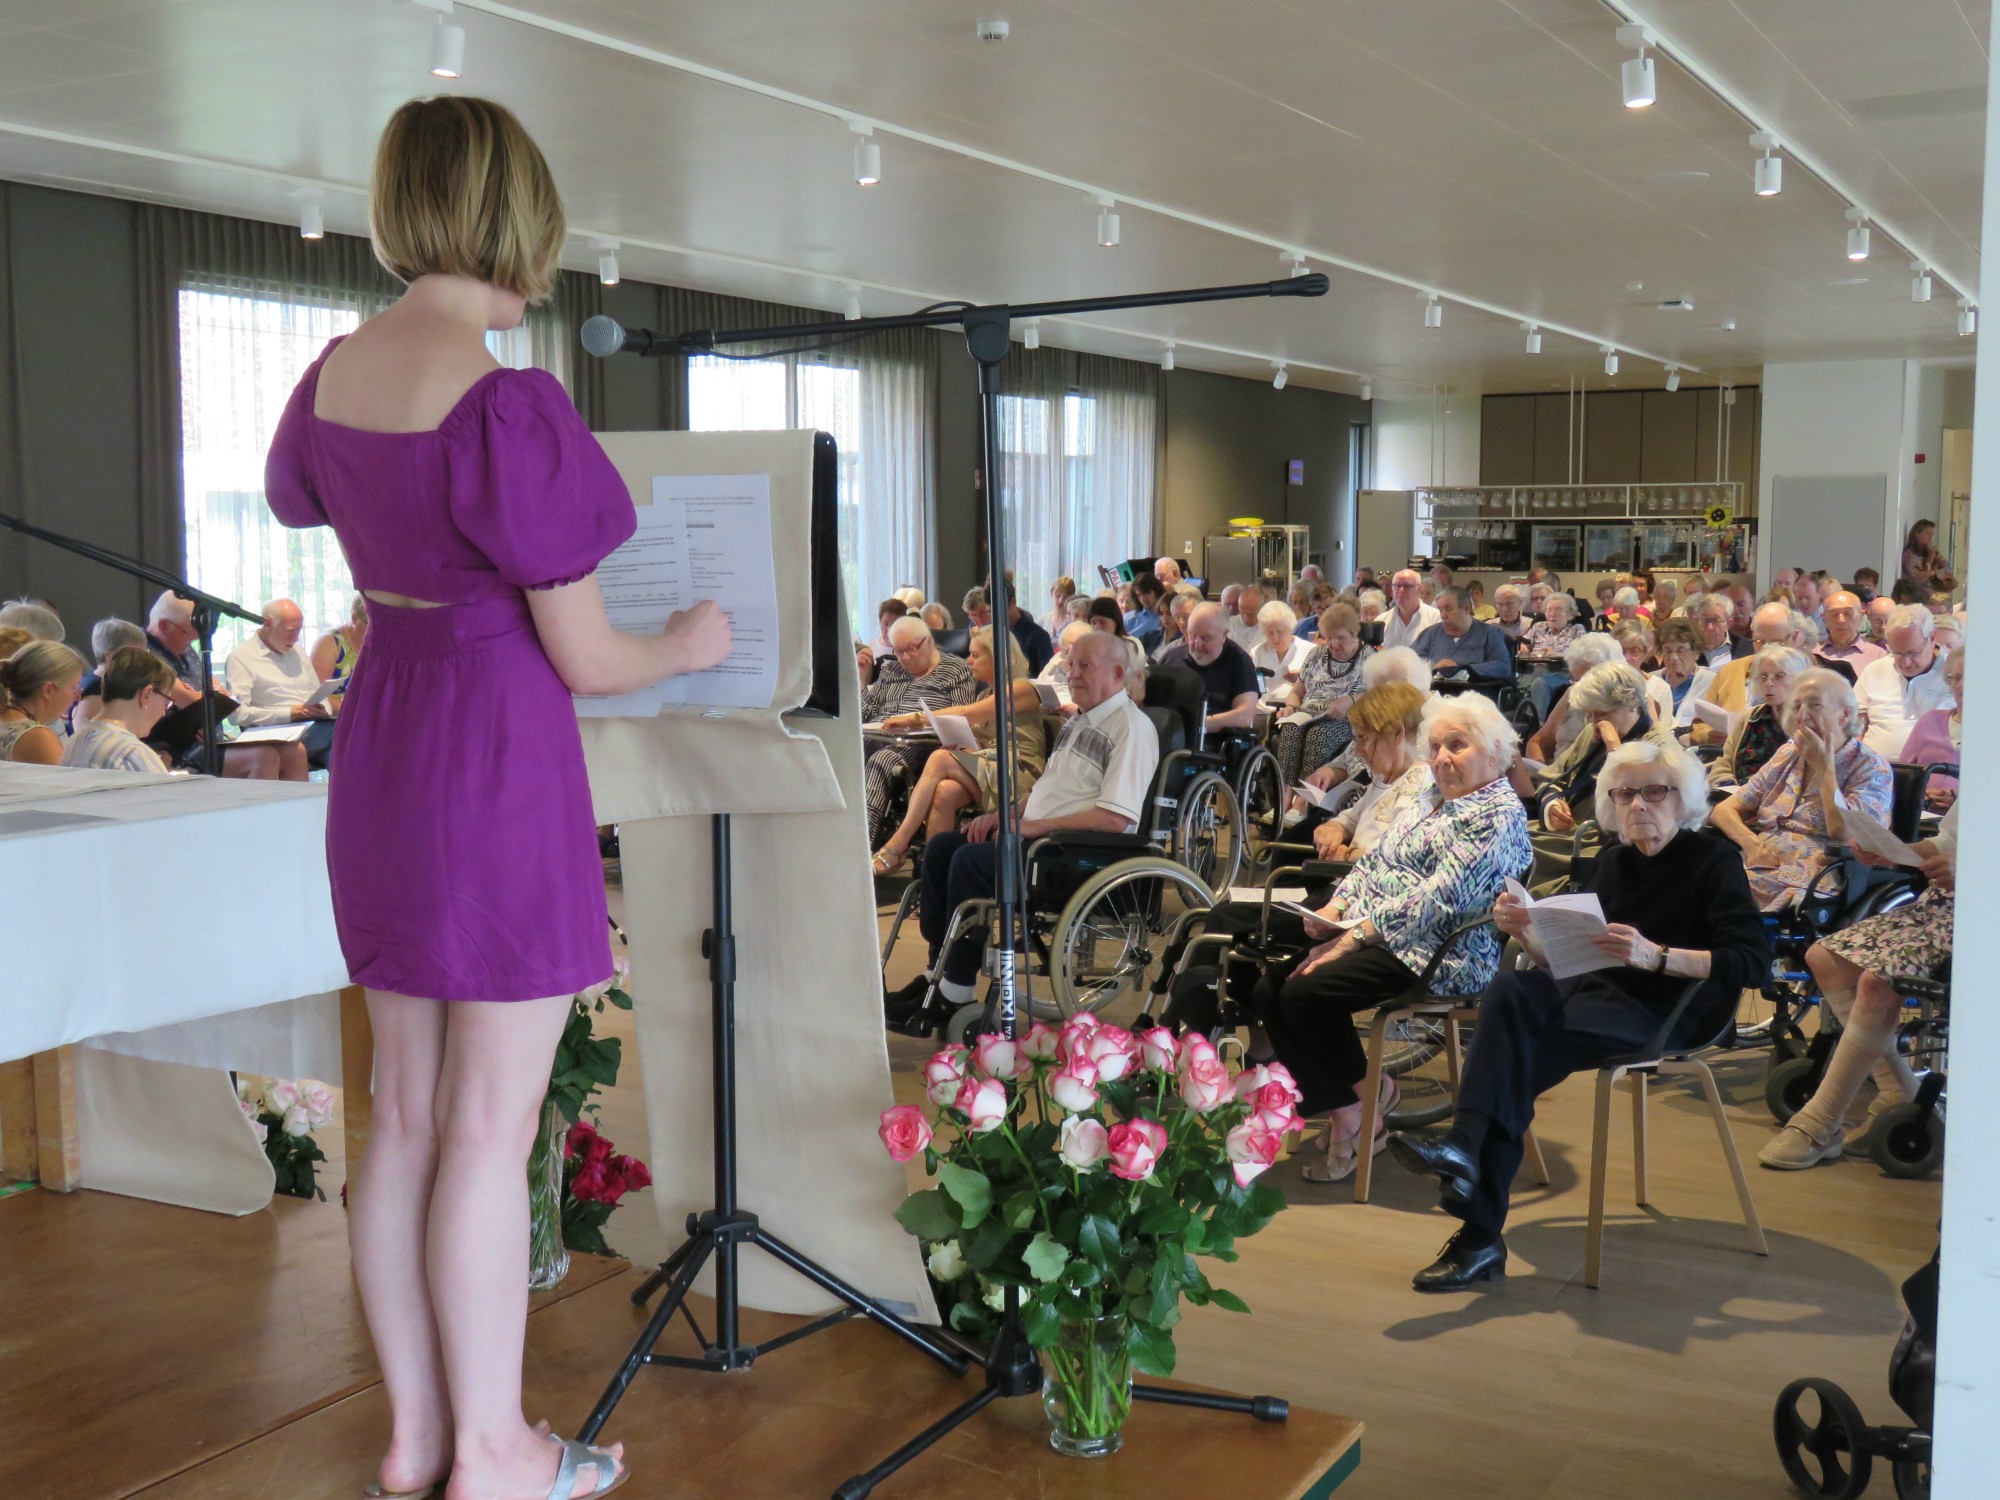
[(1011, 1367), (208, 613)]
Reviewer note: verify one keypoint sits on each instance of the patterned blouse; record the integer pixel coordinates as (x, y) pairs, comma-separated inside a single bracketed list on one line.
[(1323, 679), (946, 685), (1542, 642), (1762, 736), (107, 745), (1442, 863), (1788, 815)]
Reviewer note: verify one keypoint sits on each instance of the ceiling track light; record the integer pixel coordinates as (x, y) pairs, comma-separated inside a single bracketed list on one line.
[(1167, 358), (852, 310), (1610, 360), (1770, 178), (607, 261), (447, 49), (1857, 236), (867, 154), (1534, 332), (1637, 75), (1278, 380), (1433, 312), (312, 220), (1107, 220), (1920, 281), (1968, 318), (1031, 334), (1367, 390), (1673, 377), (1297, 258)]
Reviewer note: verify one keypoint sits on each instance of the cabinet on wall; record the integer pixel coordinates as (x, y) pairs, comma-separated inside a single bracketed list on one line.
[(1629, 437)]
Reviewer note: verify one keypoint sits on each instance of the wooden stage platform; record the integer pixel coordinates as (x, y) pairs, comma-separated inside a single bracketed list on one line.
[(183, 1356)]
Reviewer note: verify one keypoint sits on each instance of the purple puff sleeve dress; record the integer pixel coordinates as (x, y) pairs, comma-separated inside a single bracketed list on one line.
[(460, 839)]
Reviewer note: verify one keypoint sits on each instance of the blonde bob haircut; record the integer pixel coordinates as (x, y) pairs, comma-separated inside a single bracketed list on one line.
[(461, 190)]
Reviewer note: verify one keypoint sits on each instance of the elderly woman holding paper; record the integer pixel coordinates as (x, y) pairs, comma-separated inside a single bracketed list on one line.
[(1313, 728), (1788, 817), (919, 676), (1441, 864), (1676, 907), (1852, 967), (962, 776)]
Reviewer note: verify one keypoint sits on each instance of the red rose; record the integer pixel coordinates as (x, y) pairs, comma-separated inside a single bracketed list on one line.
[(637, 1176), (580, 1135), (599, 1148), (588, 1184)]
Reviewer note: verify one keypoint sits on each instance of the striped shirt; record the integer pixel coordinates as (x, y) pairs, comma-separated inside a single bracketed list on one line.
[(106, 745)]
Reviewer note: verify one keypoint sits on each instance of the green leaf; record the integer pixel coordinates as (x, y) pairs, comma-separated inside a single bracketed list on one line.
[(1044, 1258), (1152, 1350), (1020, 1210), (1040, 1322), (1229, 1300), (985, 1245), (1097, 1239), (971, 1190), (1083, 1275), (928, 1215), (1163, 1217)]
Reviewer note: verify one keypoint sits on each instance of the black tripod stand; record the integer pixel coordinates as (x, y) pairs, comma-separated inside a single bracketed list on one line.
[(208, 613), (1011, 1367), (725, 1229)]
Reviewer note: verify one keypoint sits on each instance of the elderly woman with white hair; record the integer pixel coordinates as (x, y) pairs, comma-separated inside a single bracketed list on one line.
[(1384, 664), (1279, 651), (1755, 737), (1544, 640), (1790, 816), (1682, 680), (1440, 865), (1371, 604), (1612, 699), (918, 676), (1560, 720), (1507, 616), (1678, 908), (1330, 677)]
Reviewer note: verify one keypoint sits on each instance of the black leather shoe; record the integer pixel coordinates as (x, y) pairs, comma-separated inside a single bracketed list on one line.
[(1439, 1156), (906, 999), (1461, 1262)]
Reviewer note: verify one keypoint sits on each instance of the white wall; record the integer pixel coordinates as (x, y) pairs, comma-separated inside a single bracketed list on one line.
[(1940, 396), (1419, 443), (1837, 419)]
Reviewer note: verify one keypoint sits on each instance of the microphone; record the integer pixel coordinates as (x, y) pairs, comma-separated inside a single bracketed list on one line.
[(605, 336), (1314, 284)]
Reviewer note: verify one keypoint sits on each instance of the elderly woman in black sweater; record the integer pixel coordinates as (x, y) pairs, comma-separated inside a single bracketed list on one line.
[(1678, 908)]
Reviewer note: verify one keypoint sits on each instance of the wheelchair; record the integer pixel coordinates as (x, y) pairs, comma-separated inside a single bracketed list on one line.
[(1096, 906)]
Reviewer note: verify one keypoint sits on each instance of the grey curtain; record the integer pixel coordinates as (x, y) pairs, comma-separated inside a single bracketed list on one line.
[(13, 475)]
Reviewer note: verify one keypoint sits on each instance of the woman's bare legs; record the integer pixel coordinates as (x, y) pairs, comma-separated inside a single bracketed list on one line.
[(489, 1099), (388, 1208), (941, 770), (953, 797)]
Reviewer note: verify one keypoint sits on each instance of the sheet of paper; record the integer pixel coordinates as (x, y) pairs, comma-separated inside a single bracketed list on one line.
[(1054, 695), (1323, 800), (1533, 767), (952, 732), (1298, 716), (705, 536), (1306, 911), (1565, 926), (271, 734), (1869, 836), (326, 690), (1254, 894), (1717, 716)]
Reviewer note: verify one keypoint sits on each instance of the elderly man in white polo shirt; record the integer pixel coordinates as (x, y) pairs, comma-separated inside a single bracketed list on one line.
[(1903, 686), (270, 679), (1410, 617), (1096, 781)]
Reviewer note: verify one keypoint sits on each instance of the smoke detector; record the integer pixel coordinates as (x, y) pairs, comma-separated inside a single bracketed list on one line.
[(990, 31), (1676, 304)]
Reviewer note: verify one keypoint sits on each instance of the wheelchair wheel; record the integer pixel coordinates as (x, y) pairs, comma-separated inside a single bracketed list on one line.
[(1413, 1054), (1208, 831), (1905, 1144), (1260, 791), (1790, 1084), (1112, 933), (1912, 1477), (1824, 1458)]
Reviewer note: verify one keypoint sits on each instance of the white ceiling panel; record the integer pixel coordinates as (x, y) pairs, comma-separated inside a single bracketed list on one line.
[(1477, 147)]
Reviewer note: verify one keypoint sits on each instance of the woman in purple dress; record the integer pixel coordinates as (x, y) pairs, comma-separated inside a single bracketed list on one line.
[(473, 506)]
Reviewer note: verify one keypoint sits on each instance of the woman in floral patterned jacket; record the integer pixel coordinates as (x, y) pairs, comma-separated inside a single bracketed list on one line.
[(1441, 865)]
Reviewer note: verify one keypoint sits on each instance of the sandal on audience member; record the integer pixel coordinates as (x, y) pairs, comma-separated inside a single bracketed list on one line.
[(889, 859), (1339, 1156), (373, 1490), (611, 1472)]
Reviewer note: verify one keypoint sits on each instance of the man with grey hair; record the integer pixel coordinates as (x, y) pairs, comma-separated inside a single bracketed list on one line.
[(1168, 571), (271, 679), (1774, 624), (1228, 678), (1460, 643), (1410, 617), (106, 636), (1056, 673), (1904, 685), (1243, 628), (1845, 643), (1507, 616), (1711, 617), (33, 616), (171, 637), (1231, 592)]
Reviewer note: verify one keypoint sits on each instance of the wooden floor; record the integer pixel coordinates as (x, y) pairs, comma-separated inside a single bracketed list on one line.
[(1659, 1384)]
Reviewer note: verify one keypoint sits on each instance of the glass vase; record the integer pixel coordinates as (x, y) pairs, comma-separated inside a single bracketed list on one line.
[(1087, 1387), (548, 1257)]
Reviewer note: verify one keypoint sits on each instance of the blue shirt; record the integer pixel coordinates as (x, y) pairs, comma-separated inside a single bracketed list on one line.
[(1143, 625), (1034, 643), (1483, 651)]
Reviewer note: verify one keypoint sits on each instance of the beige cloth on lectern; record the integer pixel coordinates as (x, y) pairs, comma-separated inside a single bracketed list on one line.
[(812, 1060)]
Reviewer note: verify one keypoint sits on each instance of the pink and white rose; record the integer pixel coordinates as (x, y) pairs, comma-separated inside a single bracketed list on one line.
[(1083, 1143), (318, 1101), (1113, 1049), (1158, 1050), (1204, 1081), (1252, 1148), (943, 1074), (983, 1102), (999, 1057), (280, 1095), (904, 1131), (1262, 1085), (1040, 1044), (296, 1122), (1073, 1086), (1135, 1148)]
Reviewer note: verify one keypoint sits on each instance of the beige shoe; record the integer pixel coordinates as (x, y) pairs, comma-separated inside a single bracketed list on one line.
[(1856, 1144), (1795, 1148)]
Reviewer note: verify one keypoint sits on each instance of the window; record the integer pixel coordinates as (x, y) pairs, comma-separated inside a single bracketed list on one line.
[(876, 412), (241, 354), (240, 358)]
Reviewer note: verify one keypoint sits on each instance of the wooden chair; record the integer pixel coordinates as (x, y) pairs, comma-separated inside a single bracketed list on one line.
[(1659, 1059)]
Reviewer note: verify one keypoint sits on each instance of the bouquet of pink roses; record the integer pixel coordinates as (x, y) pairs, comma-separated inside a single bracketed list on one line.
[(1089, 1168)]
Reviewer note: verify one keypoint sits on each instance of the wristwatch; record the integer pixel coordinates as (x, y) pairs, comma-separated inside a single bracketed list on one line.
[(1661, 966)]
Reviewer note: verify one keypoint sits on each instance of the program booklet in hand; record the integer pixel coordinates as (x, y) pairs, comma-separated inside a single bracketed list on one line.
[(952, 731), (1565, 927)]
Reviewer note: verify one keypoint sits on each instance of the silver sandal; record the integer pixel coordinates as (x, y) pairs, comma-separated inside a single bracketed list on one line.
[(575, 1456)]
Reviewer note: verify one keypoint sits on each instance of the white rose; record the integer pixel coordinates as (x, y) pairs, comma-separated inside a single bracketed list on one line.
[(318, 1101), (946, 1261), (296, 1120), (262, 1134), (280, 1096), (242, 1088), (995, 1296)]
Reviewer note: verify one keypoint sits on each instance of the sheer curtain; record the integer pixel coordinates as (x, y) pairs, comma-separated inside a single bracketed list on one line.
[(875, 398), (1079, 442)]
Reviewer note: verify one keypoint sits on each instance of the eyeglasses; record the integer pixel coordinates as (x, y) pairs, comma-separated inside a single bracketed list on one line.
[(1625, 796)]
